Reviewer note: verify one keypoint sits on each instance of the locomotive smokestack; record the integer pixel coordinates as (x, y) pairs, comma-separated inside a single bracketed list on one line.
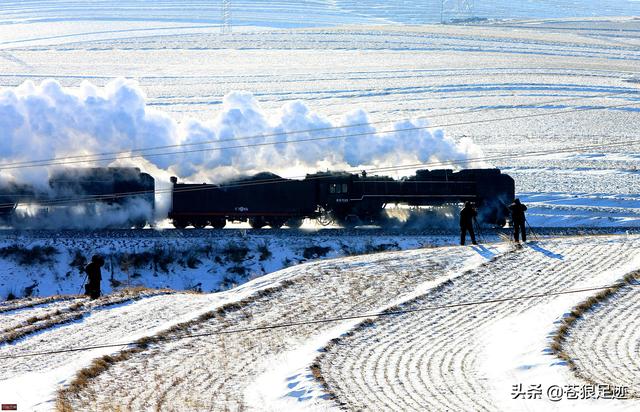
[(174, 180)]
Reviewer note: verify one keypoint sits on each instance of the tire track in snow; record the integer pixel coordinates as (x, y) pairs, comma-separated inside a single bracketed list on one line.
[(439, 351)]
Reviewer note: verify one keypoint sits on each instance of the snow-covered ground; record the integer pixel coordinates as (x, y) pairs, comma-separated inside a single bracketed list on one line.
[(604, 349), (462, 79), (288, 13), (47, 263), (466, 357), (560, 78), (470, 357), (326, 288)]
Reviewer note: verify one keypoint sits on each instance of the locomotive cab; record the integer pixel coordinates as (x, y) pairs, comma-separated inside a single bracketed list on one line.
[(352, 199), (333, 194)]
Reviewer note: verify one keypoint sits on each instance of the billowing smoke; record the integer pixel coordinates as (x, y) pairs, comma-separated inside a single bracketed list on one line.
[(94, 215), (348, 143), (50, 121), (433, 218)]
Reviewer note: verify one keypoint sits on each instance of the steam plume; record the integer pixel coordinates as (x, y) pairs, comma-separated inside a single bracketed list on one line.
[(50, 121)]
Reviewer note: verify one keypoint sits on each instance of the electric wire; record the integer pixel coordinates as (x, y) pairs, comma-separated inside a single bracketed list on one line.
[(403, 167), (201, 187), (102, 156), (320, 321)]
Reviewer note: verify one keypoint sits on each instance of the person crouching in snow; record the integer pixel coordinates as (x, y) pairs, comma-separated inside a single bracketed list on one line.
[(92, 289), (467, 214)]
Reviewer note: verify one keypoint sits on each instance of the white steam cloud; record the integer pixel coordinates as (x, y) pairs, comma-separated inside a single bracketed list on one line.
[(83, 215), (48, 121)]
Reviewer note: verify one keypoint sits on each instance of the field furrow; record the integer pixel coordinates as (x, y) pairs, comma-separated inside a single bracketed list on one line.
[(213, 372), (20, 314), (17, 326), (431, 360), (605, 343)]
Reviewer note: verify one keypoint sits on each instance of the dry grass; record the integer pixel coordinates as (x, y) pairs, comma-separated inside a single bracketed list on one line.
[(82, 380), (560, 336), (316, 368), (31, 302), (25, 256), (75, 312)]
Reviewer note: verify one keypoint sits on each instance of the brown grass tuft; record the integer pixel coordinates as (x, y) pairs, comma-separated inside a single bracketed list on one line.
[(74, 312), (82, 379), (561, 334)]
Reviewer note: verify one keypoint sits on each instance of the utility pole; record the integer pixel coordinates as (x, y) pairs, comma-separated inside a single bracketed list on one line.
[(465, 7), (225, 26), (457, 10)]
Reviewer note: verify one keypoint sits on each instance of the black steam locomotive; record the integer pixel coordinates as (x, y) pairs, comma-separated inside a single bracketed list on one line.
[(350, 199), (125, 193)]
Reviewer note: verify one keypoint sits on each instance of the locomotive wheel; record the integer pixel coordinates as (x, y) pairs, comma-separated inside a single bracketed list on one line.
[(140, 224), (276, 224), (380, 218), (325, 218), (200, 224), (257, 222), (350, 221), (179, 223), (218, 223), (294, 223)]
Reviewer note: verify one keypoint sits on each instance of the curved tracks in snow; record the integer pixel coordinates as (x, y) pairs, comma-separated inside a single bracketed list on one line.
[(217, 370), (55, 312), (432, 360), (32, 381), (605, 343), (435, 360)]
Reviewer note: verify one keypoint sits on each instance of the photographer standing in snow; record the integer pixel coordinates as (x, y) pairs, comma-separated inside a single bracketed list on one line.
[(467, 214), (517, 216), (92, 289)]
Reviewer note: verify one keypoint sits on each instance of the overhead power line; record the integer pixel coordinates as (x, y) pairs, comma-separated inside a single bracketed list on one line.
[(199, 187), (387, 313), (130, 153), (63, 161)]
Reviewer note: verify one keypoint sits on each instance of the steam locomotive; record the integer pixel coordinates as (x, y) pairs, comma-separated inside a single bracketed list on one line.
[(124, 196), (349, 199)]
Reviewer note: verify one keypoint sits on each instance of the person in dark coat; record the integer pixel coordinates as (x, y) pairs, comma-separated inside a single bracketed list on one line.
[(467, 214), (517, 216), (94, 275)]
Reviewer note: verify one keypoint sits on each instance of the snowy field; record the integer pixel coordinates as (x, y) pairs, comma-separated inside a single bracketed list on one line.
[(50, 263), (513, 87), (439, 357), (548, 91)]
